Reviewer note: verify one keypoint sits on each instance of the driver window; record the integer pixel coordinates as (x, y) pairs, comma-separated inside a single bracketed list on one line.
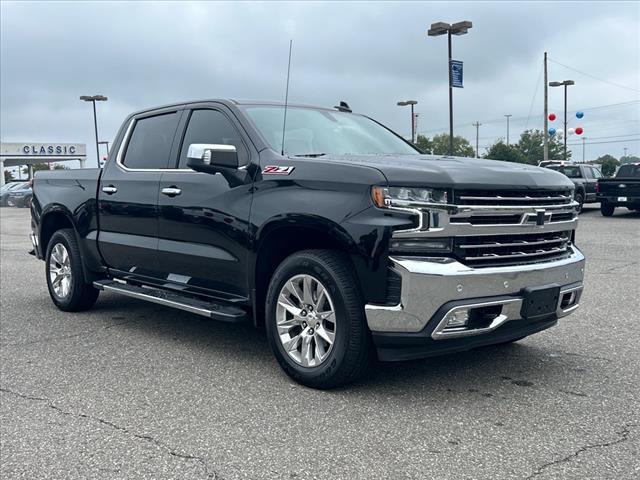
[(211, 126)]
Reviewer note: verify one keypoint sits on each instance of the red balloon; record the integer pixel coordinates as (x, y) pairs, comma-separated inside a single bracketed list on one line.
[(552, 116), (579, 131)]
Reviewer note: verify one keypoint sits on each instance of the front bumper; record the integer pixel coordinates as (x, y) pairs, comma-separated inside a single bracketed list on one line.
[(433, 287)]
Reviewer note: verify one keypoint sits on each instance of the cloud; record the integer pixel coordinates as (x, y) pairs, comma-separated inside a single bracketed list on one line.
[(142, 54)]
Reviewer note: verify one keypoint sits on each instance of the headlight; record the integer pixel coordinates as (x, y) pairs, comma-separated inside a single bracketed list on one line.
[(385, 197)]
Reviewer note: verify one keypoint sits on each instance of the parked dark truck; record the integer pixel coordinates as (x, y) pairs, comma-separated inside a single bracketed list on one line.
[(344, 244), (621, 191)]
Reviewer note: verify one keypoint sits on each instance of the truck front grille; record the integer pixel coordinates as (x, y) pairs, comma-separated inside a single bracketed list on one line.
[(512, 197), (501, 250)]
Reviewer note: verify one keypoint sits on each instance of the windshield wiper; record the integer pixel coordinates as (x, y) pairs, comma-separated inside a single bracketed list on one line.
[(313, 155)]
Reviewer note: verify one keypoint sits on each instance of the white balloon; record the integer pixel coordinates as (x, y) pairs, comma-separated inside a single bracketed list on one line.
[(571, 131), (559, 133)]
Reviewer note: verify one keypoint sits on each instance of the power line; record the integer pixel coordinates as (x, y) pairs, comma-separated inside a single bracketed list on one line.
[(535, 94), (523, 117), (594, 77), (610, 141)]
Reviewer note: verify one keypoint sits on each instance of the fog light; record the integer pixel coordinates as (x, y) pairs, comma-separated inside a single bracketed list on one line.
[(457, 318)]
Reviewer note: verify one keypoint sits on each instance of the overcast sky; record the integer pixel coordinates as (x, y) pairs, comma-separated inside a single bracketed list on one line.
[(370, 54)]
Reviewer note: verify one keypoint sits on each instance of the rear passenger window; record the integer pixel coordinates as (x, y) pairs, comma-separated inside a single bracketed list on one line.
[(150, 142), (211, 126)]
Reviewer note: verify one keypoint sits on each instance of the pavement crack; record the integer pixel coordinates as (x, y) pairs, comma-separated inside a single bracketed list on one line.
[(623, 436), (210, 474), (66, 337)]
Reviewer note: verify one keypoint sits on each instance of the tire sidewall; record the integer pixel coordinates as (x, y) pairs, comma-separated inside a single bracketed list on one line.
[(62, 237), (303, 264), (580, 200)]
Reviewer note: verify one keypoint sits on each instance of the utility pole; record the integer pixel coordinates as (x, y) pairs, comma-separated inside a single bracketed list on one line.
[(545, 155), (508, 115), (625, 151), (477, 125), (583, 144)]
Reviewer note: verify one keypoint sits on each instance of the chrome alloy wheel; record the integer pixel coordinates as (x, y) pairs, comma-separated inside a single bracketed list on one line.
[(306, 320), (60, 270)]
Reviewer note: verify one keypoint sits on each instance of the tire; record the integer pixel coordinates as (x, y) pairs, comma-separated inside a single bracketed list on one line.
[(348, 357), (579, 197), (71, 293), (606, 209)]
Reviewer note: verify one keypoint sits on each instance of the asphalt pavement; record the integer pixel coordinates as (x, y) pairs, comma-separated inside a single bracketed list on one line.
[(131, 390)]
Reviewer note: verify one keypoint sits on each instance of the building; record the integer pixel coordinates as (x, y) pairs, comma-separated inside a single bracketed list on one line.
[(25, 153)]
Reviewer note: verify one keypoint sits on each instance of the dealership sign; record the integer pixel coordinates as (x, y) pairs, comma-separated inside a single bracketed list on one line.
[(58, 150)]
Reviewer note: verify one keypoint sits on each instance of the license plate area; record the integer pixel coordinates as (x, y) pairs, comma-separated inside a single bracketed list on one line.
[(539, 302), (622, 199)]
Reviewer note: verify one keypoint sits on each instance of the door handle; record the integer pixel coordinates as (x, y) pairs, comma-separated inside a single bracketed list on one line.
[(109, 190), (171, 191)]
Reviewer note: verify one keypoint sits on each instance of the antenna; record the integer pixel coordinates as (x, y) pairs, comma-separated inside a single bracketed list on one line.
[(286, 98)]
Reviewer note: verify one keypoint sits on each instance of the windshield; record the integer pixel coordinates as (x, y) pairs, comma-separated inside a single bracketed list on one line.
[(630, 171), (312, 131), (571, 172)]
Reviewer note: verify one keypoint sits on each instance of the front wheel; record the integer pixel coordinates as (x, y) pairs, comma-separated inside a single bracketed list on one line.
[(315, 319), (65, 278), (606, 209), (580, 199)]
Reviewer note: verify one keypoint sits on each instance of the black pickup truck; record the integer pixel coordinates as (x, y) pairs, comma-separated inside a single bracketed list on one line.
[(584, 177), (338, 237), (623, 190)]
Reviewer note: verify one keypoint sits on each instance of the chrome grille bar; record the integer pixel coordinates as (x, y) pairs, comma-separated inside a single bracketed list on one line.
[(520, 243)]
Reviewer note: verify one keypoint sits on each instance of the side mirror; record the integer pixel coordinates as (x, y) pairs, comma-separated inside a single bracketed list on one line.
[(211, 158)]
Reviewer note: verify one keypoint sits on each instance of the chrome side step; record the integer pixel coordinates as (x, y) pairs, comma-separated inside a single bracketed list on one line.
[(217, 311)]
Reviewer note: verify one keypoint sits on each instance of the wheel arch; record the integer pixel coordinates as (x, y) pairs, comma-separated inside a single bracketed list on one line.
[(282, 237)]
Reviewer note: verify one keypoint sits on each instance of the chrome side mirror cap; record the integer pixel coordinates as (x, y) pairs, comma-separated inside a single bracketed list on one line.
[(208, 157)]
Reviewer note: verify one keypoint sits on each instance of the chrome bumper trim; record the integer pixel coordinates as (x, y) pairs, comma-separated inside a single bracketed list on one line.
[(430, 282)]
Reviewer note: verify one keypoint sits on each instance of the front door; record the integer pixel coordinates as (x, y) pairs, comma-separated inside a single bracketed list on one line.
[(203, 227), (128, 195)]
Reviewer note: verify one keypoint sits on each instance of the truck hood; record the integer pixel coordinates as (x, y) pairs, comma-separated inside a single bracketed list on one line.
[(471, 173)]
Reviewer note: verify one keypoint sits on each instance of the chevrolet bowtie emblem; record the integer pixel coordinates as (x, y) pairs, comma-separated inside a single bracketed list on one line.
[(540, 214)]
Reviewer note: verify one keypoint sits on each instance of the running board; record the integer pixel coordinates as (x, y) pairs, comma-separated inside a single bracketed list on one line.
[(217, 311)]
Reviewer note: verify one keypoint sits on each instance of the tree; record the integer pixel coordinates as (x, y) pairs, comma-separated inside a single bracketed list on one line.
[(424, 144), (8, 176), (507, 153), (609, 164), (629, 159), (531, 146), (461, 146)]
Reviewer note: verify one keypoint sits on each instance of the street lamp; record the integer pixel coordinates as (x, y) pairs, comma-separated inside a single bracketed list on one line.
[(413, 118), (93, 99), (441, 28), (508, 116), (564, 84)]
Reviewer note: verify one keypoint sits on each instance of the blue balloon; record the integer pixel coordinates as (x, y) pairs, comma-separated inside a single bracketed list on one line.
[(579, 114), (552, 131)]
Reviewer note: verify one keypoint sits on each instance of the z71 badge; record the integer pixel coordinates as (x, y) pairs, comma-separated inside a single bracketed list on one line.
[(277, 170)]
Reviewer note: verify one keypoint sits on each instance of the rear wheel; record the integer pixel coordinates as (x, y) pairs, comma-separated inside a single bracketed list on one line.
[(315, 319), (607, 209), (65, 278)]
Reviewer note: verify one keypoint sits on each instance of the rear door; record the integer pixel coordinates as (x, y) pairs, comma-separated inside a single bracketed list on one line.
[(203, 229), (128, 194), (590, 184)]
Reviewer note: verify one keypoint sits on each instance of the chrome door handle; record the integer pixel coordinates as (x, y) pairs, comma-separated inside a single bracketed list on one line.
[(171, 191), (109, 190)]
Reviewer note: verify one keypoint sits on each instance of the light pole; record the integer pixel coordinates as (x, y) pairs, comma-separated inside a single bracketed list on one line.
[(477, 125), (583, 148), (93, 99), (413, 118), (508, 115), (564, 84), (440, 28)]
